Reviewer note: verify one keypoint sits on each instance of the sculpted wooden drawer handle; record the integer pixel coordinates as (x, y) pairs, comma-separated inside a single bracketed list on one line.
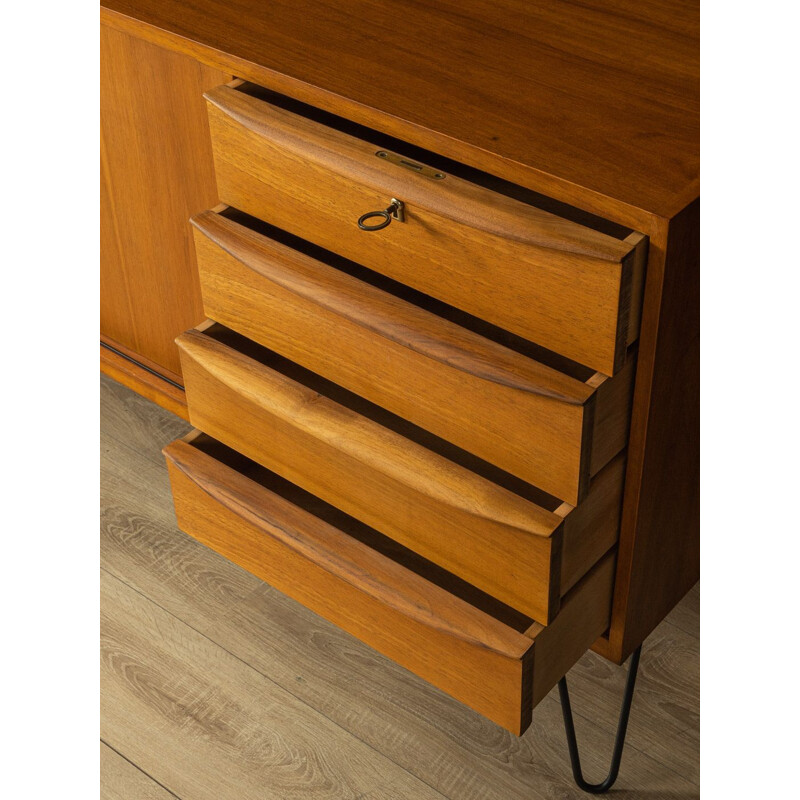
[(395, 211)]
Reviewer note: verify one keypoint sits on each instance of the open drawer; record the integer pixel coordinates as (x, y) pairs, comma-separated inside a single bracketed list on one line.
[(572, 287), (506, 537), (550, 422), (484, 654)]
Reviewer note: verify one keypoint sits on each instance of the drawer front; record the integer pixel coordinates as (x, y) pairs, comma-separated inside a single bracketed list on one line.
[(287, 420), (500, 665), (546, 427), (564, 286)]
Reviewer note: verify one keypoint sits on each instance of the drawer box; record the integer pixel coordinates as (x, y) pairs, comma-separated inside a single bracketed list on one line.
[(568, 287), (507, 538), (495, 661), (550, 427)]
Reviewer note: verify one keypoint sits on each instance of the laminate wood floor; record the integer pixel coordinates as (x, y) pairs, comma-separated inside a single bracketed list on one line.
[(217, 687)]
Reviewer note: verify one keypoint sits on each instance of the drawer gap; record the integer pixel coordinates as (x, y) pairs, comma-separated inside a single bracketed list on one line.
[(385, 418), (363, 533)]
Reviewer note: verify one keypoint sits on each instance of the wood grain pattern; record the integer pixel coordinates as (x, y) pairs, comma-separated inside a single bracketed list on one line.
[(593, 103), (399, 716), (639, 272), (613, 403), (130, 414), (505, 545), (464, 651), (141, 380), (422, 627), (424, 729), (455, 383), (559, 284), (324, 546), (138, 540), (205, 724), (142, 360), (677, 31), (660, 540), (508, 545), (592, 527), (121, 780), (666, 722), (156, 171), (584, 615)]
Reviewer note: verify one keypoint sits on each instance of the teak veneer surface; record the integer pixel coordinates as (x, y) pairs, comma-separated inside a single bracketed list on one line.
[(156, 170), (563, 285), (319, 686), (662, 562), (478, 659), (595, 103), (629, 67), (339, 448), (548, 428)]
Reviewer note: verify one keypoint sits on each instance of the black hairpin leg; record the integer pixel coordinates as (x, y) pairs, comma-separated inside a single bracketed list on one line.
[(619, 742)]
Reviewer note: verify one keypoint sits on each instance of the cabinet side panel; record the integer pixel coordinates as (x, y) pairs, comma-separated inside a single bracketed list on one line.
[(660, 562), (156, 171)]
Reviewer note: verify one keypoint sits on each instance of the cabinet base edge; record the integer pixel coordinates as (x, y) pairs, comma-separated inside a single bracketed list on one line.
[(143, 381)]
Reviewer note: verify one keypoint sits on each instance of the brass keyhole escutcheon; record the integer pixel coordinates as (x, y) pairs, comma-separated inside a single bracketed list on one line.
[(395, 211)]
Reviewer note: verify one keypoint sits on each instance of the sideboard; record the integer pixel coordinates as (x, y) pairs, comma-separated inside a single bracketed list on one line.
[(436, 311)]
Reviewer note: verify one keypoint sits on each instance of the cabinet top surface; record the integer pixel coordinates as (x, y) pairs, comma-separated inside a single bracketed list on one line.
[(589, 99)]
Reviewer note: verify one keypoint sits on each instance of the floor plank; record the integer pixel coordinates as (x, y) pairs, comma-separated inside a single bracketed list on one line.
[(207, 726), (121, 780), (451, 747), (133, 420), (686, 615), (666, 702), (140, 544), (401, 721)]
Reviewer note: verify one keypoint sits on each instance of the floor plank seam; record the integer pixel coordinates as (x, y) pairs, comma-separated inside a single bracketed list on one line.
[(668, 622), (137, 767), (537, 771), (419, 777), (588, 720), (628, 744), (276, 684), (144, 453)]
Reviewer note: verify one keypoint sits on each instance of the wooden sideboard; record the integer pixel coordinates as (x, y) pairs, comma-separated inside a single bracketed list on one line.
[(547, 156)]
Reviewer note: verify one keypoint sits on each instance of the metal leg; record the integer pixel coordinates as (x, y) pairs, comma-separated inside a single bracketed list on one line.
[(619, 742)]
